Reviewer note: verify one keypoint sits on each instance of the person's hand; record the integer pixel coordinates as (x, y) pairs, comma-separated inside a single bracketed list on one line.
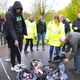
[(63, 38), (75, 28), (16, 42), (66, 60)]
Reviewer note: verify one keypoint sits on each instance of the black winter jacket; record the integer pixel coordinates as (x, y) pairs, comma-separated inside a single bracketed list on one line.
[(76, 23), (67, 26), (41, 26), (14, 27)]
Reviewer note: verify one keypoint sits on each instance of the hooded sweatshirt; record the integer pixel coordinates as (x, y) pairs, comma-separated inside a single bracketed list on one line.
[(14, 22)]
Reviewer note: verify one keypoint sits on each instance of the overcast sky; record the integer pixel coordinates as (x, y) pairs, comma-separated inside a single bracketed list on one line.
[(53, 4)]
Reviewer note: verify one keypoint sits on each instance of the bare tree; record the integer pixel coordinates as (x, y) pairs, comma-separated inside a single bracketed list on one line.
[(3, 5), (40, 7)]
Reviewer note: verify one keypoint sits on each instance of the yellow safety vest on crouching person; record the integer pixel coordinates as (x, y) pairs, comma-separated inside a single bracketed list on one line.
[(54, 33)]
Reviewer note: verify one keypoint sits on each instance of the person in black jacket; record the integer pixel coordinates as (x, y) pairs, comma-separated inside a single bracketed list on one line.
[(67, 30), (41, 30), (15, 29), (76, 24)]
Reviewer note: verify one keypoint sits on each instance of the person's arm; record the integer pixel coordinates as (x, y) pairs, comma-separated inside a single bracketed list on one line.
[(45, 27), (10, 26), (48, 31), (67, 27), (24, 26), (74, 51), (35, 30), (74, 45), (37, 27), (73, 25)]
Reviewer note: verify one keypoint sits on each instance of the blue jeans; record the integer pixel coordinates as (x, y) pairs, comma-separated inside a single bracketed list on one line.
[(39, 37), (51, 51), (77, 60)]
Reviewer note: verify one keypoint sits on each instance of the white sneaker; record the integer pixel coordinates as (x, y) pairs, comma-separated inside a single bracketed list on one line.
[(21, 65), (7, 60), (17, 69), (12, 69)]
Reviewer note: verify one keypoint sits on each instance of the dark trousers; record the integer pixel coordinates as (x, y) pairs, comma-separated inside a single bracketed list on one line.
[(77, 60), (27, 44), (14, 50), (2, 38)]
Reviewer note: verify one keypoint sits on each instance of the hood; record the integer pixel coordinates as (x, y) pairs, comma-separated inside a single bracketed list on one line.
[(64, 20), (17, 4), (10, 8)]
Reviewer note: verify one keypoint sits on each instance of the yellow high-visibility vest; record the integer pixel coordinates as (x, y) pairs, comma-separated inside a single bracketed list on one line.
[(31, 29), (54, 33)]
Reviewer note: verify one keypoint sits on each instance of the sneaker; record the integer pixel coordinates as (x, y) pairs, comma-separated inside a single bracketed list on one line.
[(43, 49), (21, 65), (49, 60), (26, 51), (7, 60), (37, 49), (1, 43), (17, 69), (12, 69), (32, 50)]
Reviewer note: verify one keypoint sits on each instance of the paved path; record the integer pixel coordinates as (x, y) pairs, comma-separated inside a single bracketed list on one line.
[(43, 55)]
